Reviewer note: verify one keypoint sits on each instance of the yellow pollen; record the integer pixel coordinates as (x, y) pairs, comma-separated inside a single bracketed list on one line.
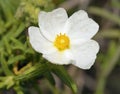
[(62, 42)]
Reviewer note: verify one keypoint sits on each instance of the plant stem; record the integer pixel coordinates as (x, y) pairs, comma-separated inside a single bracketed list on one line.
[(107, 70)]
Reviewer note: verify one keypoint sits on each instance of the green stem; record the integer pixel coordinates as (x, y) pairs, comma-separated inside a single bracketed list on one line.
[(107, 68), (104, 13), (100, 85), (34, 71), (109, 33), (110, 65)]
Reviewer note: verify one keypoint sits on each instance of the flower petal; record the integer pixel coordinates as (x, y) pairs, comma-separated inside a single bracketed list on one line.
[(85, 54), (52, 23), (80, 26), (38, 42), (59, 57)]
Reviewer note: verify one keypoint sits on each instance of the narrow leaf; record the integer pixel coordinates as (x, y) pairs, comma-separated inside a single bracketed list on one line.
[(106, 14), (64, 76)]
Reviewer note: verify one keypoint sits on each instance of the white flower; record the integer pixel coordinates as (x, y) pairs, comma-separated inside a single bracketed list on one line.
[(63, 40)]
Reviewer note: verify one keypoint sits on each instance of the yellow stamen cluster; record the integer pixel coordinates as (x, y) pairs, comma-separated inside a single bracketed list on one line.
[(62, 42)]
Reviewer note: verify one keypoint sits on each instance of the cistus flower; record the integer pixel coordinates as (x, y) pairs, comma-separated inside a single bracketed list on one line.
[(63, 40)]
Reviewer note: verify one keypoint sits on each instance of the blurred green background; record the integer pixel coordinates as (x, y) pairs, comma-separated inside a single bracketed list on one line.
[(20, 72)]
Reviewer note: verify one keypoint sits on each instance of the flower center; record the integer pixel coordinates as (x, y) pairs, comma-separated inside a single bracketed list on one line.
[(62, 42)]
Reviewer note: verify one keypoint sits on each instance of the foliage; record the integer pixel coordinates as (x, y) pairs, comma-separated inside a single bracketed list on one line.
[(18, 62), (21, 66)]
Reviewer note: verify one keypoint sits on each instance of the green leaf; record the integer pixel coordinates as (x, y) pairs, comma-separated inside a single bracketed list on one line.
[(64, 76), (33, 71), (7, 45), (4, 65), (6, 10), (50, 78), (17, 44), (18, 89), (16, 59), (115, 3), (19, 30), (6, 81)]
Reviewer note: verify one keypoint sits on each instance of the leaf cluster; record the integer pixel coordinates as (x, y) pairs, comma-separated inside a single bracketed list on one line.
[(19, 63)]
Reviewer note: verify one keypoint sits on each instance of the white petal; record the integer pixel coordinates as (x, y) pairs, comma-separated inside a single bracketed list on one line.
[(85, 54), (38, 42), (80, 26), (57, 57), (52, 23)]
